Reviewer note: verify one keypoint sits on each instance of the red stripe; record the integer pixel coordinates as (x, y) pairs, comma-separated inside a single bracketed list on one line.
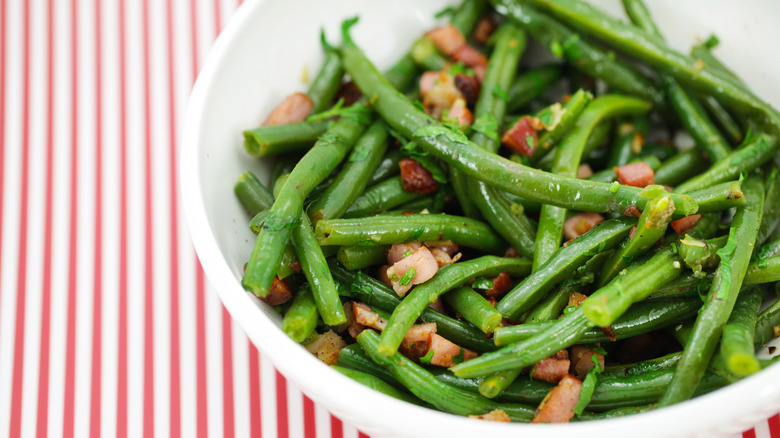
[(217, 18), (97, 279), (200, 365), (228, 426), (21, 285), (309, 425), (43, 362), (362, 435), (70, 346), (336, 428), (175, 379), (749, 433), (148, 391), (774, 426), (255, 408), (121, 396), (282, 428)]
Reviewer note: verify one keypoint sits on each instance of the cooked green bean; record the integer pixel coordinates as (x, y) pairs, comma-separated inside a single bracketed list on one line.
[(765, 324), (265, 141), (531, 84), (569, 115), (763, 271), (378, 384), (474, 308), (608, 175), (681, 167), (362, 256), (328, 80), (631, 135), (736, 344), (387, 194), (300, 320), (254, 196), (771, 216), (718, 197), (387, 167)]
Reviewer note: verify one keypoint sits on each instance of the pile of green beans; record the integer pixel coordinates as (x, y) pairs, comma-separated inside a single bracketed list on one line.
[(687, 261)]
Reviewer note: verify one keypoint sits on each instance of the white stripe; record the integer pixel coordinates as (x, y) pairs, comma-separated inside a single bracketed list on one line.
[(268, 397), (349, 431), (322, 421), (214, 361), (240, 380), (294, 410), (762, 430)]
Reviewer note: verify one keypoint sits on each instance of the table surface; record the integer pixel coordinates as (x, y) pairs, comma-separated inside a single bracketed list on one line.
[(107, 324)]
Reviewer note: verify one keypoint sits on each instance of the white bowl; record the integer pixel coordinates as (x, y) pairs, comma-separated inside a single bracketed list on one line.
[(260, 58)]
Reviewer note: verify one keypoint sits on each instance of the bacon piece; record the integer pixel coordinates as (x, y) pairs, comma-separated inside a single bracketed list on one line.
[(683, 225), (447, 38), (501, 283), (399, 250), (581, 360), (575, 299), (327, 347), (280, 292), (638, 174), (520, 135), (511, 252), (459, 114), (479, 72), (381, 275), (632, 211), (494, 415), (417, 340), (442, 258), (350, 93), (584, 171), (295, 108), (416, 178), (552, 369), (483, 30), (428, 81), (558, 405), (581, 223), (424, 265), (367, 317), (470, 56), (438, 305), (440, 95), (444, 351), (468, 86), (448, 246)]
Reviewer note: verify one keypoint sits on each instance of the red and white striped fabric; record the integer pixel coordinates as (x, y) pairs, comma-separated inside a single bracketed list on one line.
[(107, 325)]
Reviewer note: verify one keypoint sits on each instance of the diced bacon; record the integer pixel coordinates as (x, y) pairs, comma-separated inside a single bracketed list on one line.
[(355, 329), (417, 340), (441, 95), (447, 353), (511, 252), (459, 114), (438, 306), (367, 317), (468, 86), (479, 72), (521, 137), (442, 258), (470, 56), (447, 38), (609, 333), (280, 292), (632, 233), (584, 171), (416, 178), (400, 250), (350, 319), (350, 93), (501, 283), (428, 81), (581, 360), (638, 174), (494, 415), (581, 223), (553, 368), (381, 275), (295, 108), (575, 299), (558, 405), (327, 347), (483, 30), (632, 211), (424, 265), (447, 246), (683, 225)]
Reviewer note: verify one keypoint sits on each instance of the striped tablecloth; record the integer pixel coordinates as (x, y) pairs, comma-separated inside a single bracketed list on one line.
[(107, 324)]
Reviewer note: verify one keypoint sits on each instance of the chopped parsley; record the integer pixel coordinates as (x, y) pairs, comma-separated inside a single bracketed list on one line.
[(407, 278)]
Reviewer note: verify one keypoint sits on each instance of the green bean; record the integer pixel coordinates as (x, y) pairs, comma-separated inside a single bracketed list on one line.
[(680, 167), (446, 278), (491, 386), (522, 297), (594, 145), (312, 169), (569, 115), (763, 271), (608, 175), (736, 345), (771, 216), (662, 151), (401, 75), (668, 362), (386, 230), (650, 228), (265, 141), (353, 178), (282, 165), (551, 306), (254, 196), (328, 80), (387, 167), (513, 225), (703, 51), (684, 286), (531, 84), (378, 384), (718, 197), (615, 413), (520, 391), (567, 160), (466, 16), (757, 151), (700, 255), (257, 221), (429, 389), (721, 297), (376, 294), (427, 55), (300, 320), (625, 147), (474, 308), (387, 194), (638, 319), (362, 256), (353, 356), (765, 324), (456, 150), (768, 249), (727, 123)]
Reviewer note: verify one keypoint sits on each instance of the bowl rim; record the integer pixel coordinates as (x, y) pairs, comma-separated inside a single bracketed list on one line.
[(282, 351)]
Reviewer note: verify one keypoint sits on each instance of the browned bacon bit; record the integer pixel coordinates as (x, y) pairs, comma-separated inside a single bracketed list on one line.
[(609, 333), (558, 405), (575, 299), (501, 283), (494, 415), (428, 81), (445, 352), (638, 174), (350, 93), (632, 211), (424, 266), (584, 171), (381, 275), (417, 341), (683, 225), (581, 360), (581, 223), (468, 86), (632, 233), (771, 349), (483, 30), (280, 292), (367, 317), (438, 305), (401, 250), (439, 94), (447, 246), (327, 347), (416, 178), (447, 38), (459, 114), (521, 137), (552, 369), (470, 56), (295, 108), (441, 257), (511, 252)]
